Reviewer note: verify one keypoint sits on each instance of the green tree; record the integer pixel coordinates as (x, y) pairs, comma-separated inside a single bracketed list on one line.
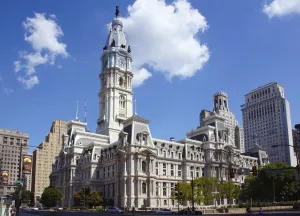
[(182, 192), (228, 190), (86, 196), (27, 196), (205, 189), (51, 197), (263, 186), (94, 198)]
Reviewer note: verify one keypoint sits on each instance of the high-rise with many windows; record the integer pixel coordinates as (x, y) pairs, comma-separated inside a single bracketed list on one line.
[(10, 146), (267, 122), (44, 156)]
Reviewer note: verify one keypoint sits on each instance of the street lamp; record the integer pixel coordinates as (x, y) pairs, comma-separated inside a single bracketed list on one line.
[(193, 202), (229, 152)]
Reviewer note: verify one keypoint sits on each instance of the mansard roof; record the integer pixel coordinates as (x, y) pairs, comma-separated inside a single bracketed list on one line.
[(137, 118)]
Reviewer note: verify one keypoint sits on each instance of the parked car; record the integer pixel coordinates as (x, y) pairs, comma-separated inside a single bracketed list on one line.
[(114, 210), (58, 208), (296, 206), (185, 211), (34, 208), (165, 212)]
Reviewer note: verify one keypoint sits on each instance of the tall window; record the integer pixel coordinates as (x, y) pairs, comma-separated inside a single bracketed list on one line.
[(179, 170), (108, 169), (113, 170), (172, 170), (179, 155), (157, 189), (143, 166), (192, 171), (144, 189), (197, 172), (103, 172), (164, 189), (164, 169), (122, 101), (156, 166)]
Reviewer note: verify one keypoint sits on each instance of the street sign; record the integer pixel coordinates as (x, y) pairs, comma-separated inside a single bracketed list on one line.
[(20, 182)]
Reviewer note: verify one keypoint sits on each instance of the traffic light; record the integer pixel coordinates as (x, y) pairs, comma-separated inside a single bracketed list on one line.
[(231, 173), (254, 171)]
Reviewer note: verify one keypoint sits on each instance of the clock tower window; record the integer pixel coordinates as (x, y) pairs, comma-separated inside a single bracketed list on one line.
[(122, 101)]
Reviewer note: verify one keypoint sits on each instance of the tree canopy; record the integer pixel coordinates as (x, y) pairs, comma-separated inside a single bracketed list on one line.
[(205, 190), (268, 183), (86, 196), (51, 197)]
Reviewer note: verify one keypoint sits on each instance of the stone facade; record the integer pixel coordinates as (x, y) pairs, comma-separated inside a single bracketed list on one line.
[(124, 162)]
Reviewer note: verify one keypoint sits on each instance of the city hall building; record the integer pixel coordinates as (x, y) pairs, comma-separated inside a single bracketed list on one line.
[(125, 163)]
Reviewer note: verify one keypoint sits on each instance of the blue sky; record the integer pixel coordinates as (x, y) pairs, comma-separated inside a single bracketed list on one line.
[(247, 47)]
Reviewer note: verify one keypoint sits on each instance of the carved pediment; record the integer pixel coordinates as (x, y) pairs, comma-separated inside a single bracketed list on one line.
[(146, 151)]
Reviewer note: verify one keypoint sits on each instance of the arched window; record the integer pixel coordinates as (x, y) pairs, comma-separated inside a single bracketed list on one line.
[(144, 189), (144, 166), (122, 101)]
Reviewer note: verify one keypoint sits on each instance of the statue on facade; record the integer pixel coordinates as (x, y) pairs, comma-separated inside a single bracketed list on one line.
[(129, 49), (113, 43), (117, 11)]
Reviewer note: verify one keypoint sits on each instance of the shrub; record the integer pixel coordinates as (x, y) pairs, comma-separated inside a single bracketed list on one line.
[(100, 208)]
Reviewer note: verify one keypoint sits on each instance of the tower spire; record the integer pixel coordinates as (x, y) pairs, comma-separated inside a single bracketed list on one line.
[(77, 110)]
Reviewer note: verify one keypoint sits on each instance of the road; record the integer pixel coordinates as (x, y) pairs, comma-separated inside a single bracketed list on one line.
[(70, 213)]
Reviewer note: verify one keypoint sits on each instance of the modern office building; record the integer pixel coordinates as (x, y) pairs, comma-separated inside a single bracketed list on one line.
[(10, 147), (44, 157), (267, 122), (124, 162)]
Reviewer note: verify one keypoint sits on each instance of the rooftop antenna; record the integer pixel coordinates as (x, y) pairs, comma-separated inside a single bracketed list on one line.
[(85, 111), (77, 110)]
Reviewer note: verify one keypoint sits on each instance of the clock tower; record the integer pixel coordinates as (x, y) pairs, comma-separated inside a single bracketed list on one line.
[(115, 96)]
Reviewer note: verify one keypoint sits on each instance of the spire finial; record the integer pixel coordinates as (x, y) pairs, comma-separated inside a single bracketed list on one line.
[(117, 11), (85, 111), (135, 110), (77, 110)]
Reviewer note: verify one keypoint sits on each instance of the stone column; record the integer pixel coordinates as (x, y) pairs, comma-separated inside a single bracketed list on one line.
[(125, 165)]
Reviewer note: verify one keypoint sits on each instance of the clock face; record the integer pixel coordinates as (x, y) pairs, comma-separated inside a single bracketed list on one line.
[(122, 62)]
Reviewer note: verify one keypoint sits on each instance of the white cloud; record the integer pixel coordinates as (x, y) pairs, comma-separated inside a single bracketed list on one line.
[(29, 82), (165, 37), (42, 34), (8, 91), (5, 90), (140, 76), (282, 8)]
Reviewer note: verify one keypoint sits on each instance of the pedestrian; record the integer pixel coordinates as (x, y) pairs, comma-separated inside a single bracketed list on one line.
[(133, 210), (13, 211), (260, 211)]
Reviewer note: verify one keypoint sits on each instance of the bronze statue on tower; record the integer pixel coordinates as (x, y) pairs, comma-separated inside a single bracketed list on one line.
[(117, 11)]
